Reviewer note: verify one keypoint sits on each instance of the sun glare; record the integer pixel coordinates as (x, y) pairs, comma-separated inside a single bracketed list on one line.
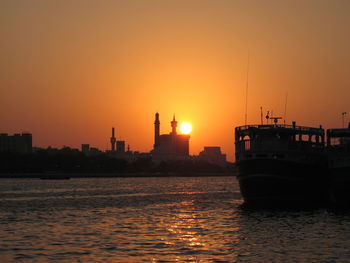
[(186, 128)]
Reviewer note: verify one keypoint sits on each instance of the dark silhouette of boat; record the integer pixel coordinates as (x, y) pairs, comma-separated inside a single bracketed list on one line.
[(338, 150), (281, 164)]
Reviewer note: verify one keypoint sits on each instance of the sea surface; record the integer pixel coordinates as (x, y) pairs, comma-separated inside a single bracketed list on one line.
[(175, 219)]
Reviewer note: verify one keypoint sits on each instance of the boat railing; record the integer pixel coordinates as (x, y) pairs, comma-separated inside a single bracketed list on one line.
[(274, 126)]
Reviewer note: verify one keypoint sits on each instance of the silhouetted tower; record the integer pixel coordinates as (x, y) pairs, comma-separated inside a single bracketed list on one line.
[(173, 134), (173, 126), (156, 130), (113, 140)]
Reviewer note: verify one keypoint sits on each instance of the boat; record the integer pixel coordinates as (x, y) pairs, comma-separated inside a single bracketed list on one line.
[(338, 150), (280, 164)]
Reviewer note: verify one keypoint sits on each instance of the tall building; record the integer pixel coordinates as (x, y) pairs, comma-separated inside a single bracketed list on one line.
[(156, 131), (116, 146), (85, 148), (121, 146), (169, 146), (17, 143), (212, 154), (113, 140)]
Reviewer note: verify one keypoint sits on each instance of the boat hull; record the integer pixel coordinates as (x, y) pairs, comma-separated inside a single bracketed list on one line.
[(340, 186), (280, 182)]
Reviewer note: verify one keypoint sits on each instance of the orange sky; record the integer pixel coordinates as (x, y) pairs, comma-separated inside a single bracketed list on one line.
[(70, 70)]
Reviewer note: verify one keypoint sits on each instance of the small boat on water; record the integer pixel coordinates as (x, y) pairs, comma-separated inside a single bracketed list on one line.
[(338, 150), (281, 164)]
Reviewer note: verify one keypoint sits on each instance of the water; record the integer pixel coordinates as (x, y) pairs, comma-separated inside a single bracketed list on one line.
[(158, 220)]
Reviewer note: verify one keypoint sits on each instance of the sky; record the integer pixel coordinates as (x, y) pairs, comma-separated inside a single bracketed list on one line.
[(71, 70)]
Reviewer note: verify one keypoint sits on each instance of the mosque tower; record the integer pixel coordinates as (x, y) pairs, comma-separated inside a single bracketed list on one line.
[(173, 126), (113, 140), (169, 146), (173, 135), (156, 131)]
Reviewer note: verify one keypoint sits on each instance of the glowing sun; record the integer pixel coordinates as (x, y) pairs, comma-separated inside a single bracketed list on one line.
[(186, 128)]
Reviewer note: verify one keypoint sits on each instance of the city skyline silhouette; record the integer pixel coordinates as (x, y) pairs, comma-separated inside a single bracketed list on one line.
[(174, 131), (70, 72)]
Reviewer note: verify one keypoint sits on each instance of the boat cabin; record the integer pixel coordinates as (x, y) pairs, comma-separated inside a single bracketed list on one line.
[(339, 139), (277, 141)]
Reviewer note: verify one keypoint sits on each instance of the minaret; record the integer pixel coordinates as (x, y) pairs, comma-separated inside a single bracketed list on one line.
[(113, 140), (173, 126), (173, 135), (156, 131)]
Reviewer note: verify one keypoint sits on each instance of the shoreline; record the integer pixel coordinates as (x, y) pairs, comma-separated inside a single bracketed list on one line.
[(108, 175)]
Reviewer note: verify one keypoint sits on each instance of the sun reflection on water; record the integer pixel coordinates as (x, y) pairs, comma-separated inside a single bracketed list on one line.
[(168, 220), (187, 225), (189, 231)]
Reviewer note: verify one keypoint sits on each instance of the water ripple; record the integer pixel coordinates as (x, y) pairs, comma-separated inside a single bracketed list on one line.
[(158, 220)]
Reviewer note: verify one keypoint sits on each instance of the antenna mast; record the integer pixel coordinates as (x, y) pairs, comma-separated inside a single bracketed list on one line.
[(285, 109), (246, 94), (267, 117)]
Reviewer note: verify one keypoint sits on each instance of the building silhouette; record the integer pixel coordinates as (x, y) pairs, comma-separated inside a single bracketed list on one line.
[(116, 146), (85, 148), (169, 146), (121, 146), (213, 155), (17, 143), (119, 151), (113, 141)]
